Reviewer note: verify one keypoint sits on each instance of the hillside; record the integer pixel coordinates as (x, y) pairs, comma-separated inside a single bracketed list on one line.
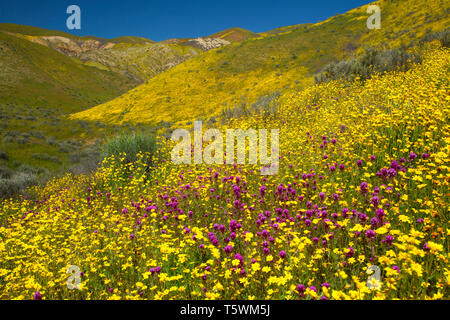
[(244, 71), (234, 34), (48, 74), (362, 185), (356, 208), (134, 57)]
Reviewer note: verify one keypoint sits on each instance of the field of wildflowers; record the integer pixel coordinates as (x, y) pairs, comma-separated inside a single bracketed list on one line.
[(363, 181)]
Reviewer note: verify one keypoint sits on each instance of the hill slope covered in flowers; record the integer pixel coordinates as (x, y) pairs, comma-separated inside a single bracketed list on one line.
[(246, 70), (363, 180)]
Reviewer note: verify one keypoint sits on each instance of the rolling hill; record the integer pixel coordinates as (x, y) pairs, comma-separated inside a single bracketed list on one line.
[(234, 34)]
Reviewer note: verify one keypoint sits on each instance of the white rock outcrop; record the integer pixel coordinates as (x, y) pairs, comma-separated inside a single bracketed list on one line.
[(206, 44)]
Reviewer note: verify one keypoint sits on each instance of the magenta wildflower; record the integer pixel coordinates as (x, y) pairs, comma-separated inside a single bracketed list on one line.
[(375, 201), (363, 187), (228, 249), (301, 288), (350, 252), (388, 239)]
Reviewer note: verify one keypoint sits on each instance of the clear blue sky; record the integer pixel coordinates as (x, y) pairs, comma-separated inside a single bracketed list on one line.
[(164, 19)]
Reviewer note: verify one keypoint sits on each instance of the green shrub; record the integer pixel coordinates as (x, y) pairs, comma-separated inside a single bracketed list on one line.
[(442, 36), (131, 144), (26, 168), (3, 155), (265, 105), (364, 66), (86, 160), (5, 172), (17, 184), (46, 157)]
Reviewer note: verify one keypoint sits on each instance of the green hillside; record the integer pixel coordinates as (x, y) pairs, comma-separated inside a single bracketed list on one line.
[(130, 39), (36, 75), (48, 74), (40, 85), (34, 31), (234, 34), (138, 60)]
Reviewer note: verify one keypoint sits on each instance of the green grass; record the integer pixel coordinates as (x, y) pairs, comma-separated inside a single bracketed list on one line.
[(130, 144)]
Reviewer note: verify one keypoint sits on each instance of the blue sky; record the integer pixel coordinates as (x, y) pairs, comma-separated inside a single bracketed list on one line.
[(159, 20)]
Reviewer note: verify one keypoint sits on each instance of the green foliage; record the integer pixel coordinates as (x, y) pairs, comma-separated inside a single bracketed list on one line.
[(130, 144), (443, 36), (365, 65), (5, 172), (3, 155), (35, 75), (85, 160), (17, 183), (264, 105)]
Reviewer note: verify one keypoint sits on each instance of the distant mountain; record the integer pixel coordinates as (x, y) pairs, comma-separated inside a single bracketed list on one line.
[(234, 34)]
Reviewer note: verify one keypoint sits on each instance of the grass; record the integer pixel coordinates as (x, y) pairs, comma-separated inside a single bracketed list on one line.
[(130, 145)]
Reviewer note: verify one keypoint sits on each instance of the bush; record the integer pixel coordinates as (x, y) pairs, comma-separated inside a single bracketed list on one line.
[(442, 36), (131, 144), (364, 66), (86, 160), (17, 184), (265, 105), (5, 172), (46, 157), (25, 168)]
